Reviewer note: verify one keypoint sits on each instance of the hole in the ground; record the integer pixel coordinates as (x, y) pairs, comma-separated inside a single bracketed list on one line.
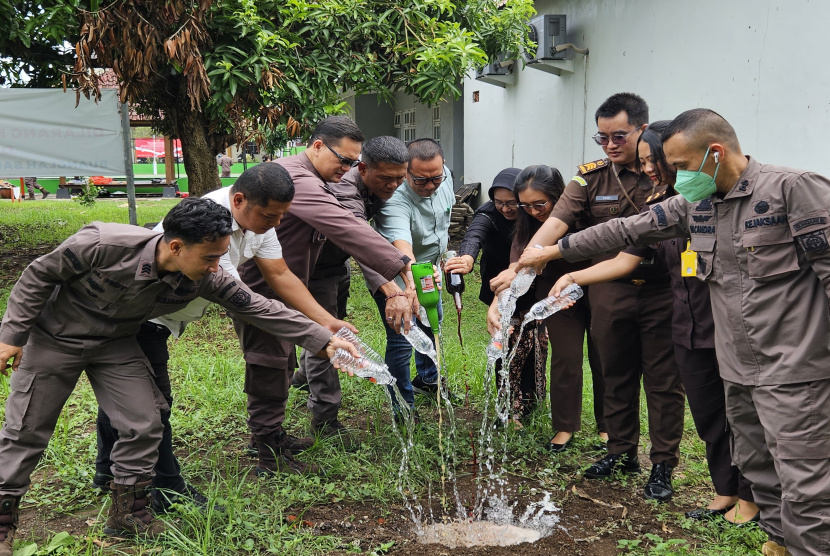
[(477, 533)]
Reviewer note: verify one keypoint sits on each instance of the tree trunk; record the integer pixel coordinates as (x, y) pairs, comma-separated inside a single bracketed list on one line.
[(199, 157)]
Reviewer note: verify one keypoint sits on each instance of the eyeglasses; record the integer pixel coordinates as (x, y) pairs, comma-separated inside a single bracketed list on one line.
[(537, 206), (508, 204), (617, 138), (351, 163), (436, 180)]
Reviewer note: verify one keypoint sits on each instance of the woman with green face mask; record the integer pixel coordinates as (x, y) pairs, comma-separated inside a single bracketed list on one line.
[(692, 332)]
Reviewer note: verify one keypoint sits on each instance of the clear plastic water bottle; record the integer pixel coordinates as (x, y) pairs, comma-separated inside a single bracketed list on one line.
[(370, 365), (553, 304), (419, 340), (364, 367), (422, 315), (522, 282), (495, 349)]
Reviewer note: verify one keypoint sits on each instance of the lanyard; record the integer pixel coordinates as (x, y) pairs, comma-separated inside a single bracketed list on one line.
[(619, 181)]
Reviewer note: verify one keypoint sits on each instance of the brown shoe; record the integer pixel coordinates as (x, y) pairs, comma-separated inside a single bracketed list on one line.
[(293, 444), (128, 515), (337, 432), (772, 548), (8, 522), (274, 457)]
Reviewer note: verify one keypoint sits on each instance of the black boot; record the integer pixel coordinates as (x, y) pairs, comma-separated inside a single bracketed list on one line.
[(606, 467), (8, 522), (659, 486)]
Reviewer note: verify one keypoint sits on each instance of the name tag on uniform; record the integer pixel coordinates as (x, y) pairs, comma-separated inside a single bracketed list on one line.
[(688, 262), (607, 198)]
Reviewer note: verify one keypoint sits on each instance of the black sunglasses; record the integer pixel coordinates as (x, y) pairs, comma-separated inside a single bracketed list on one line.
[(618, 138), (351, 163)]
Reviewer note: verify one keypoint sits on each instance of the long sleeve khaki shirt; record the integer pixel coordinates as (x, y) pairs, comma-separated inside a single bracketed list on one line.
[(763, 250), (315, 216), (103, 282)]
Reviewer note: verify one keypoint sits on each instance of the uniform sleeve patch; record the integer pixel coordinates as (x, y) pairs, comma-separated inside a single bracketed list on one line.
[(565, 242), (226, 289), (662, 220), (814, 243), (580, 180), (592, 166), (73, 259), (811, 222), (241, 298)]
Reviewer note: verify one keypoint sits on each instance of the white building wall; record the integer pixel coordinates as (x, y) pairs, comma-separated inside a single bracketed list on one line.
[(758, 63)]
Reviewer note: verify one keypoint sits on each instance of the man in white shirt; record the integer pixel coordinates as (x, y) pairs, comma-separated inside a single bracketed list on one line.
[(257, 201)]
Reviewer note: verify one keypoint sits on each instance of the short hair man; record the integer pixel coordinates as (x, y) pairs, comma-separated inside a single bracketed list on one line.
[(363, 190), (630, 317), (416, 220), (257, 202), (762, 236), (78, 309), (315, 216)]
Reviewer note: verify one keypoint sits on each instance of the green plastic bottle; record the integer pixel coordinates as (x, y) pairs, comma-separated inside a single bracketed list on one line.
[(427, 290)]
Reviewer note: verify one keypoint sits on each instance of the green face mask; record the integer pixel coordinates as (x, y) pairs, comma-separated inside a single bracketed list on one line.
[(696, 186)]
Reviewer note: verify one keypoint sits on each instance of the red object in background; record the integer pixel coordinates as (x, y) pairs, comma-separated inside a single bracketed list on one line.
[(148, 148), (100, 180), (183, 195)]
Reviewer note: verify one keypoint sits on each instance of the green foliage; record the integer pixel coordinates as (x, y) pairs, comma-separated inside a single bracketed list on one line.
[(89, 194)]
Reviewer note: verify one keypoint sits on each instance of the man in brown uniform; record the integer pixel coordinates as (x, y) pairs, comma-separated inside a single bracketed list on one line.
[(225, 162), (31, 185), (79, 308), (363, 190), (315, 215), (762, 242), (630, 317)]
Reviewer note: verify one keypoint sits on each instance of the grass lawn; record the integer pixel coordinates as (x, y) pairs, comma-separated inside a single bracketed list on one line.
[(357, 507)]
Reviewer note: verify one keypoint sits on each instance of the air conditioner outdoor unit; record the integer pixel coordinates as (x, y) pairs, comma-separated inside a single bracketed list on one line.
[(498, 73), (548, 32)]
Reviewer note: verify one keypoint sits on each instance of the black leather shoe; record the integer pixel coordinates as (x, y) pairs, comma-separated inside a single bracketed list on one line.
[(298, 383), (424, 388), (605, 468), (659, 486), (706, 514), (559, 448), (101, 481), (163, 500)]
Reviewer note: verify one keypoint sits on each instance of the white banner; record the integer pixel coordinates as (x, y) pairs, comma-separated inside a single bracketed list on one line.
[(43, 134)]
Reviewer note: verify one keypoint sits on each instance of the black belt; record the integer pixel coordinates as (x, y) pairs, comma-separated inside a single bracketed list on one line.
[(644, 282)]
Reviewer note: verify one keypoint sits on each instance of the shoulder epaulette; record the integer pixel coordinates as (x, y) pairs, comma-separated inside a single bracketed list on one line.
[(593, 166), (656, 197)]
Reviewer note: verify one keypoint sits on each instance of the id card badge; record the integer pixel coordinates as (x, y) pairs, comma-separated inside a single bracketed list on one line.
[(688, 261)]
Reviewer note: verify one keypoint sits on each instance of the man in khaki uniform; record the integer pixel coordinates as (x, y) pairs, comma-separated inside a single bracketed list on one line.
[(630, 317), (79, 308), (315, 217), (761, 235), (363, 190)]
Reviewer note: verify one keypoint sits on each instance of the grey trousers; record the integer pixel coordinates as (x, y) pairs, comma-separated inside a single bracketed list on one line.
[(121, 378), (781, 442), (325, 396)]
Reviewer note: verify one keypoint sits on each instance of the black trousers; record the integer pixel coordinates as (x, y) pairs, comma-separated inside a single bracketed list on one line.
[(152, 338), (707, 403)]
